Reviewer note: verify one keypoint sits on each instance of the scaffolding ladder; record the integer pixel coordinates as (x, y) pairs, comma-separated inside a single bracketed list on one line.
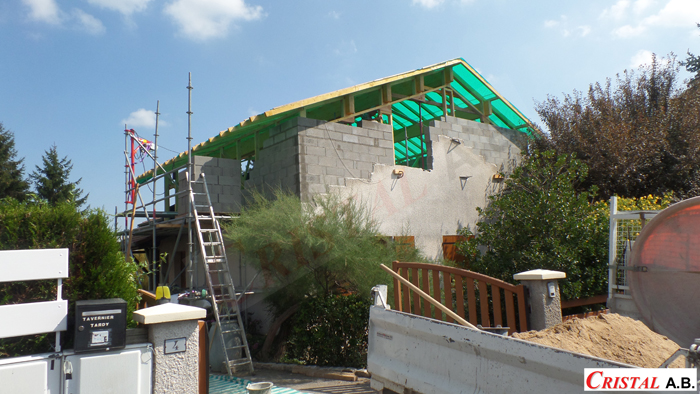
[(229, 325)]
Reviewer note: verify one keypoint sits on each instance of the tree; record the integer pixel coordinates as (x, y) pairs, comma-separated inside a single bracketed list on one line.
[(12, 182), (692, 62), (51, 180), (540, 220), (637, 136), (97, 267)]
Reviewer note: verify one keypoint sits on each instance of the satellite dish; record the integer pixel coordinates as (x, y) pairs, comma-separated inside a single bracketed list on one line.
[(664, 279)]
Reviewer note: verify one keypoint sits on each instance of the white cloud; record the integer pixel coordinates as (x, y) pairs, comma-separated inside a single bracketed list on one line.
[(565, 29), (584, 30), (253, 112), (204, 19), (142, 118), (346, 48), (88, 22), (428, 3), (48, 11), (642, 5), (617, 11), (628, 31), (641, 57), (334, 14), (675, 14), (126, 7), (44, 11)]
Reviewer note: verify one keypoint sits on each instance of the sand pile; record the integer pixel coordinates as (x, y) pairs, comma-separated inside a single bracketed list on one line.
[(609, 336)]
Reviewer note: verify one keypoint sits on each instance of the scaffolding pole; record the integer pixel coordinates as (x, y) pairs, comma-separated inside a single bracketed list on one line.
[(190, 170), (155, 169)]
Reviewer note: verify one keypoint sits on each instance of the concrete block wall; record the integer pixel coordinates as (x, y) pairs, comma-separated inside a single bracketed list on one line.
[(496, 145), (223, 181), (277, 164), (332, 153)]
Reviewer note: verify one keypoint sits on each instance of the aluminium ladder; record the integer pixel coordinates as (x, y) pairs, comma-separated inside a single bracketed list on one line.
[(229, 325)]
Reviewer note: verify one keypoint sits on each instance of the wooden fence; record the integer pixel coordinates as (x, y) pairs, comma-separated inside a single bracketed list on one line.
[(465, 292)]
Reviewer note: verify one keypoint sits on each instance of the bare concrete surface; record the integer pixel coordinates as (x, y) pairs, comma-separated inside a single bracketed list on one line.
[(311, 385)]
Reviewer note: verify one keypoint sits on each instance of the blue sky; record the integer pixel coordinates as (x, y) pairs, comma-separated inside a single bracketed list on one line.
[(74, 71)]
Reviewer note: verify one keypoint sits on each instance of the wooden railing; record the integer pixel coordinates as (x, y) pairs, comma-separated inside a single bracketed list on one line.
[(465, 292)]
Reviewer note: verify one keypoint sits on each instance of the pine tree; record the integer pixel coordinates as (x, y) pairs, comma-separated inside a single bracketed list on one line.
[(12, 182), (51, 180)]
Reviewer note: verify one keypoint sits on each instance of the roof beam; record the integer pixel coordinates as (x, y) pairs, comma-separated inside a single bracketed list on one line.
[(469, 104), (350, 116)]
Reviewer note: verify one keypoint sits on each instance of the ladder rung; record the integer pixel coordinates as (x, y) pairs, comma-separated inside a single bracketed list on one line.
[(236, 347), (230, 331), (238, 362)]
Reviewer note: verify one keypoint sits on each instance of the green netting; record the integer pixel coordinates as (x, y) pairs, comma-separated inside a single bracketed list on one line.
[(417, 152), (505, 111), (463, 92), (471, 80), (467, 84), (435, 97), (497, 121)]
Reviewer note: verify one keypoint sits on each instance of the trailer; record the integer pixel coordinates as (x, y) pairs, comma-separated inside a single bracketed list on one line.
[(415, 354)]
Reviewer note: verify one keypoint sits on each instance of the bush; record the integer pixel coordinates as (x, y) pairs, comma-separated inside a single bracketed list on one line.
[(539, 220), (329, 246), (97, 268), (331, 331), (324, 257)]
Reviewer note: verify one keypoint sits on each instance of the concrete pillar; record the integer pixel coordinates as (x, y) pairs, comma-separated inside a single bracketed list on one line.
[(544, 300), (174, 332)]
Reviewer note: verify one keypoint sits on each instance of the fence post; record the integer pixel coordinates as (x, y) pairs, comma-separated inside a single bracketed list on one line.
[(543, 300), (174, 332)]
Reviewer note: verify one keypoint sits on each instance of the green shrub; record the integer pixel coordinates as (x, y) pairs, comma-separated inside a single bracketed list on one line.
[(97, 268), (539, 220), (328, 246), (331, 331)]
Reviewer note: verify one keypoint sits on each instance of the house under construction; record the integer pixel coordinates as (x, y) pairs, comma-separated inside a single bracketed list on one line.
[(422, 149)]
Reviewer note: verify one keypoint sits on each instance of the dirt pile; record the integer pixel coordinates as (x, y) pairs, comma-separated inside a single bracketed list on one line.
[(609, 336)]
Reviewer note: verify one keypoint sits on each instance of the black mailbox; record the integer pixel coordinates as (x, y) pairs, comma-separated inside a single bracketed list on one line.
[(100, 325)]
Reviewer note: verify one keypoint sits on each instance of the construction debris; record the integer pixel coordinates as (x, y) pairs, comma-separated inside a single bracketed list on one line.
[(609, 336)]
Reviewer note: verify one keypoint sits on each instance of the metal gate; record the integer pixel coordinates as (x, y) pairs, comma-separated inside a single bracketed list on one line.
[(127, 370)]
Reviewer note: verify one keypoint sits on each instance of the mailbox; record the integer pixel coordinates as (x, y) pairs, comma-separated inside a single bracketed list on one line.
[(100, 325)]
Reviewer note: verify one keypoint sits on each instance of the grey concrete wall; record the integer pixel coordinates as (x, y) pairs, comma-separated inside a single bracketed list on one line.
[(496, 145), (430, 204), (277, 164), (332, 153), (223, 181), (177, 372)]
